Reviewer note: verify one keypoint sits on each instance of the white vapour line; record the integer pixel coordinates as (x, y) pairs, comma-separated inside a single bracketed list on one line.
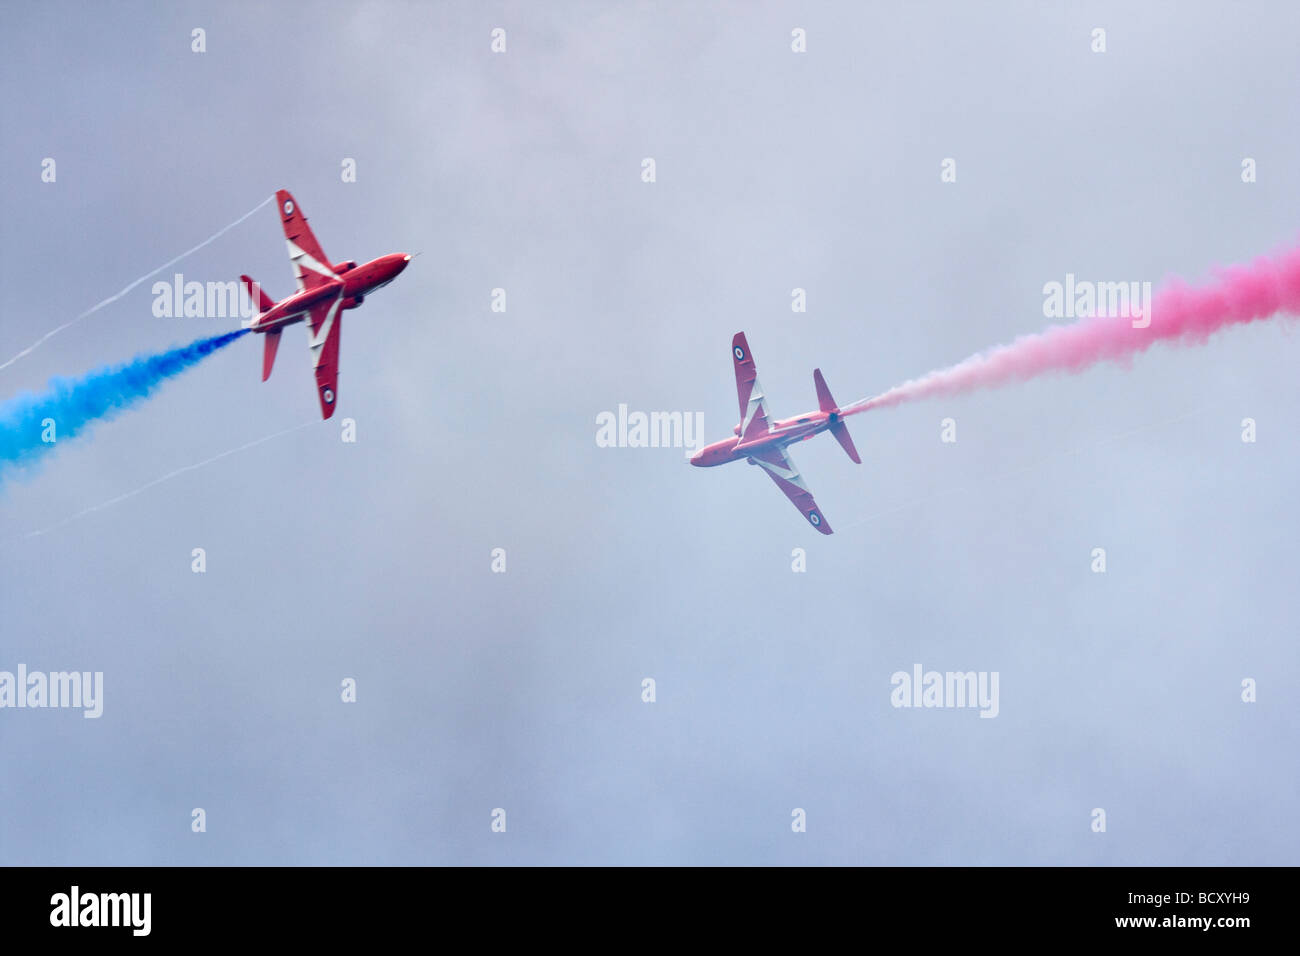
[(144, 278), (158, 481)]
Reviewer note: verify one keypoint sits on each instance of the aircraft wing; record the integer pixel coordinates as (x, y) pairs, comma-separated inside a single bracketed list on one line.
[(780, 468), (753, 403), (325, 324), (310, 265)]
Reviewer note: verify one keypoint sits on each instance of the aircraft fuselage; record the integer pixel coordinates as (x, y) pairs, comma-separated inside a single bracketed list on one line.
[(353, 284), (784, 432)]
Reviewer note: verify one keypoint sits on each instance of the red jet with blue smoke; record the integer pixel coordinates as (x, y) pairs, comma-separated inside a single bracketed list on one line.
[(324, 292)]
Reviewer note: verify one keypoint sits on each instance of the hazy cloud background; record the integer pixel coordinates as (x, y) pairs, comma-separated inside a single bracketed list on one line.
[(476, 430)]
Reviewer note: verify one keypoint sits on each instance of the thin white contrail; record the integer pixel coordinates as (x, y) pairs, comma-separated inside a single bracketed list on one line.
[(144, 278), (157, 481)]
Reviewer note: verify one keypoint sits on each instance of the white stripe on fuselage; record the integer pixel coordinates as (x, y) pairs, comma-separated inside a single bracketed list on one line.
[(280, 323)]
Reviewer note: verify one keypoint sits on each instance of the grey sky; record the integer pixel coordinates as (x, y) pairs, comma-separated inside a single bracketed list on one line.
[(476, 430)]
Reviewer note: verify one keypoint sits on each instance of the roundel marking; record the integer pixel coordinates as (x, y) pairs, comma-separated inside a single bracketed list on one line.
[(740, 353), (328, 395), (815, 518), (288, 207)]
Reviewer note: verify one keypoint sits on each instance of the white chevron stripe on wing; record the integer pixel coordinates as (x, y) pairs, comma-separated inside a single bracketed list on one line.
[(757, 404), (317, 341), (787, 473), (301, 258)]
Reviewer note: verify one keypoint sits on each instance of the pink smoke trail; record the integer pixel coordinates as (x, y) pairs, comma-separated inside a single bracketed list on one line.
[(1178, 313)]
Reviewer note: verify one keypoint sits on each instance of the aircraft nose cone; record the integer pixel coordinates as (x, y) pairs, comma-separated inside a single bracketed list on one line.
[(695, 459)]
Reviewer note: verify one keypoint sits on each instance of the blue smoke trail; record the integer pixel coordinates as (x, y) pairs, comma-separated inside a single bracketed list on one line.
[(73, 404)]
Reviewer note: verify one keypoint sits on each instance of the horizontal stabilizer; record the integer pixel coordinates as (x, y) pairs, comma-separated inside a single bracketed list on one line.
[(255, 291), (841, 433), (269, 348)]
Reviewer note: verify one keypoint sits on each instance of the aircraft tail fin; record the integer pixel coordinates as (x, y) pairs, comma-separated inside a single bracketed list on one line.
[(826, 402), (272, 341), (841, 433), (269, 347), (258, 294)]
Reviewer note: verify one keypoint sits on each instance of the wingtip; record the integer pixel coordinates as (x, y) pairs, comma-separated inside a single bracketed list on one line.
[(287, 204)]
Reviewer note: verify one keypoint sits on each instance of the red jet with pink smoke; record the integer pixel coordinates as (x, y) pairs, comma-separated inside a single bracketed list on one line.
[(762, 440), (1178, 314)]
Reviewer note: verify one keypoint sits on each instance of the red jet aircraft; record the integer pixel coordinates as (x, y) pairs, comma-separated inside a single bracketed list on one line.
[(324, 290), (763, 441)]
